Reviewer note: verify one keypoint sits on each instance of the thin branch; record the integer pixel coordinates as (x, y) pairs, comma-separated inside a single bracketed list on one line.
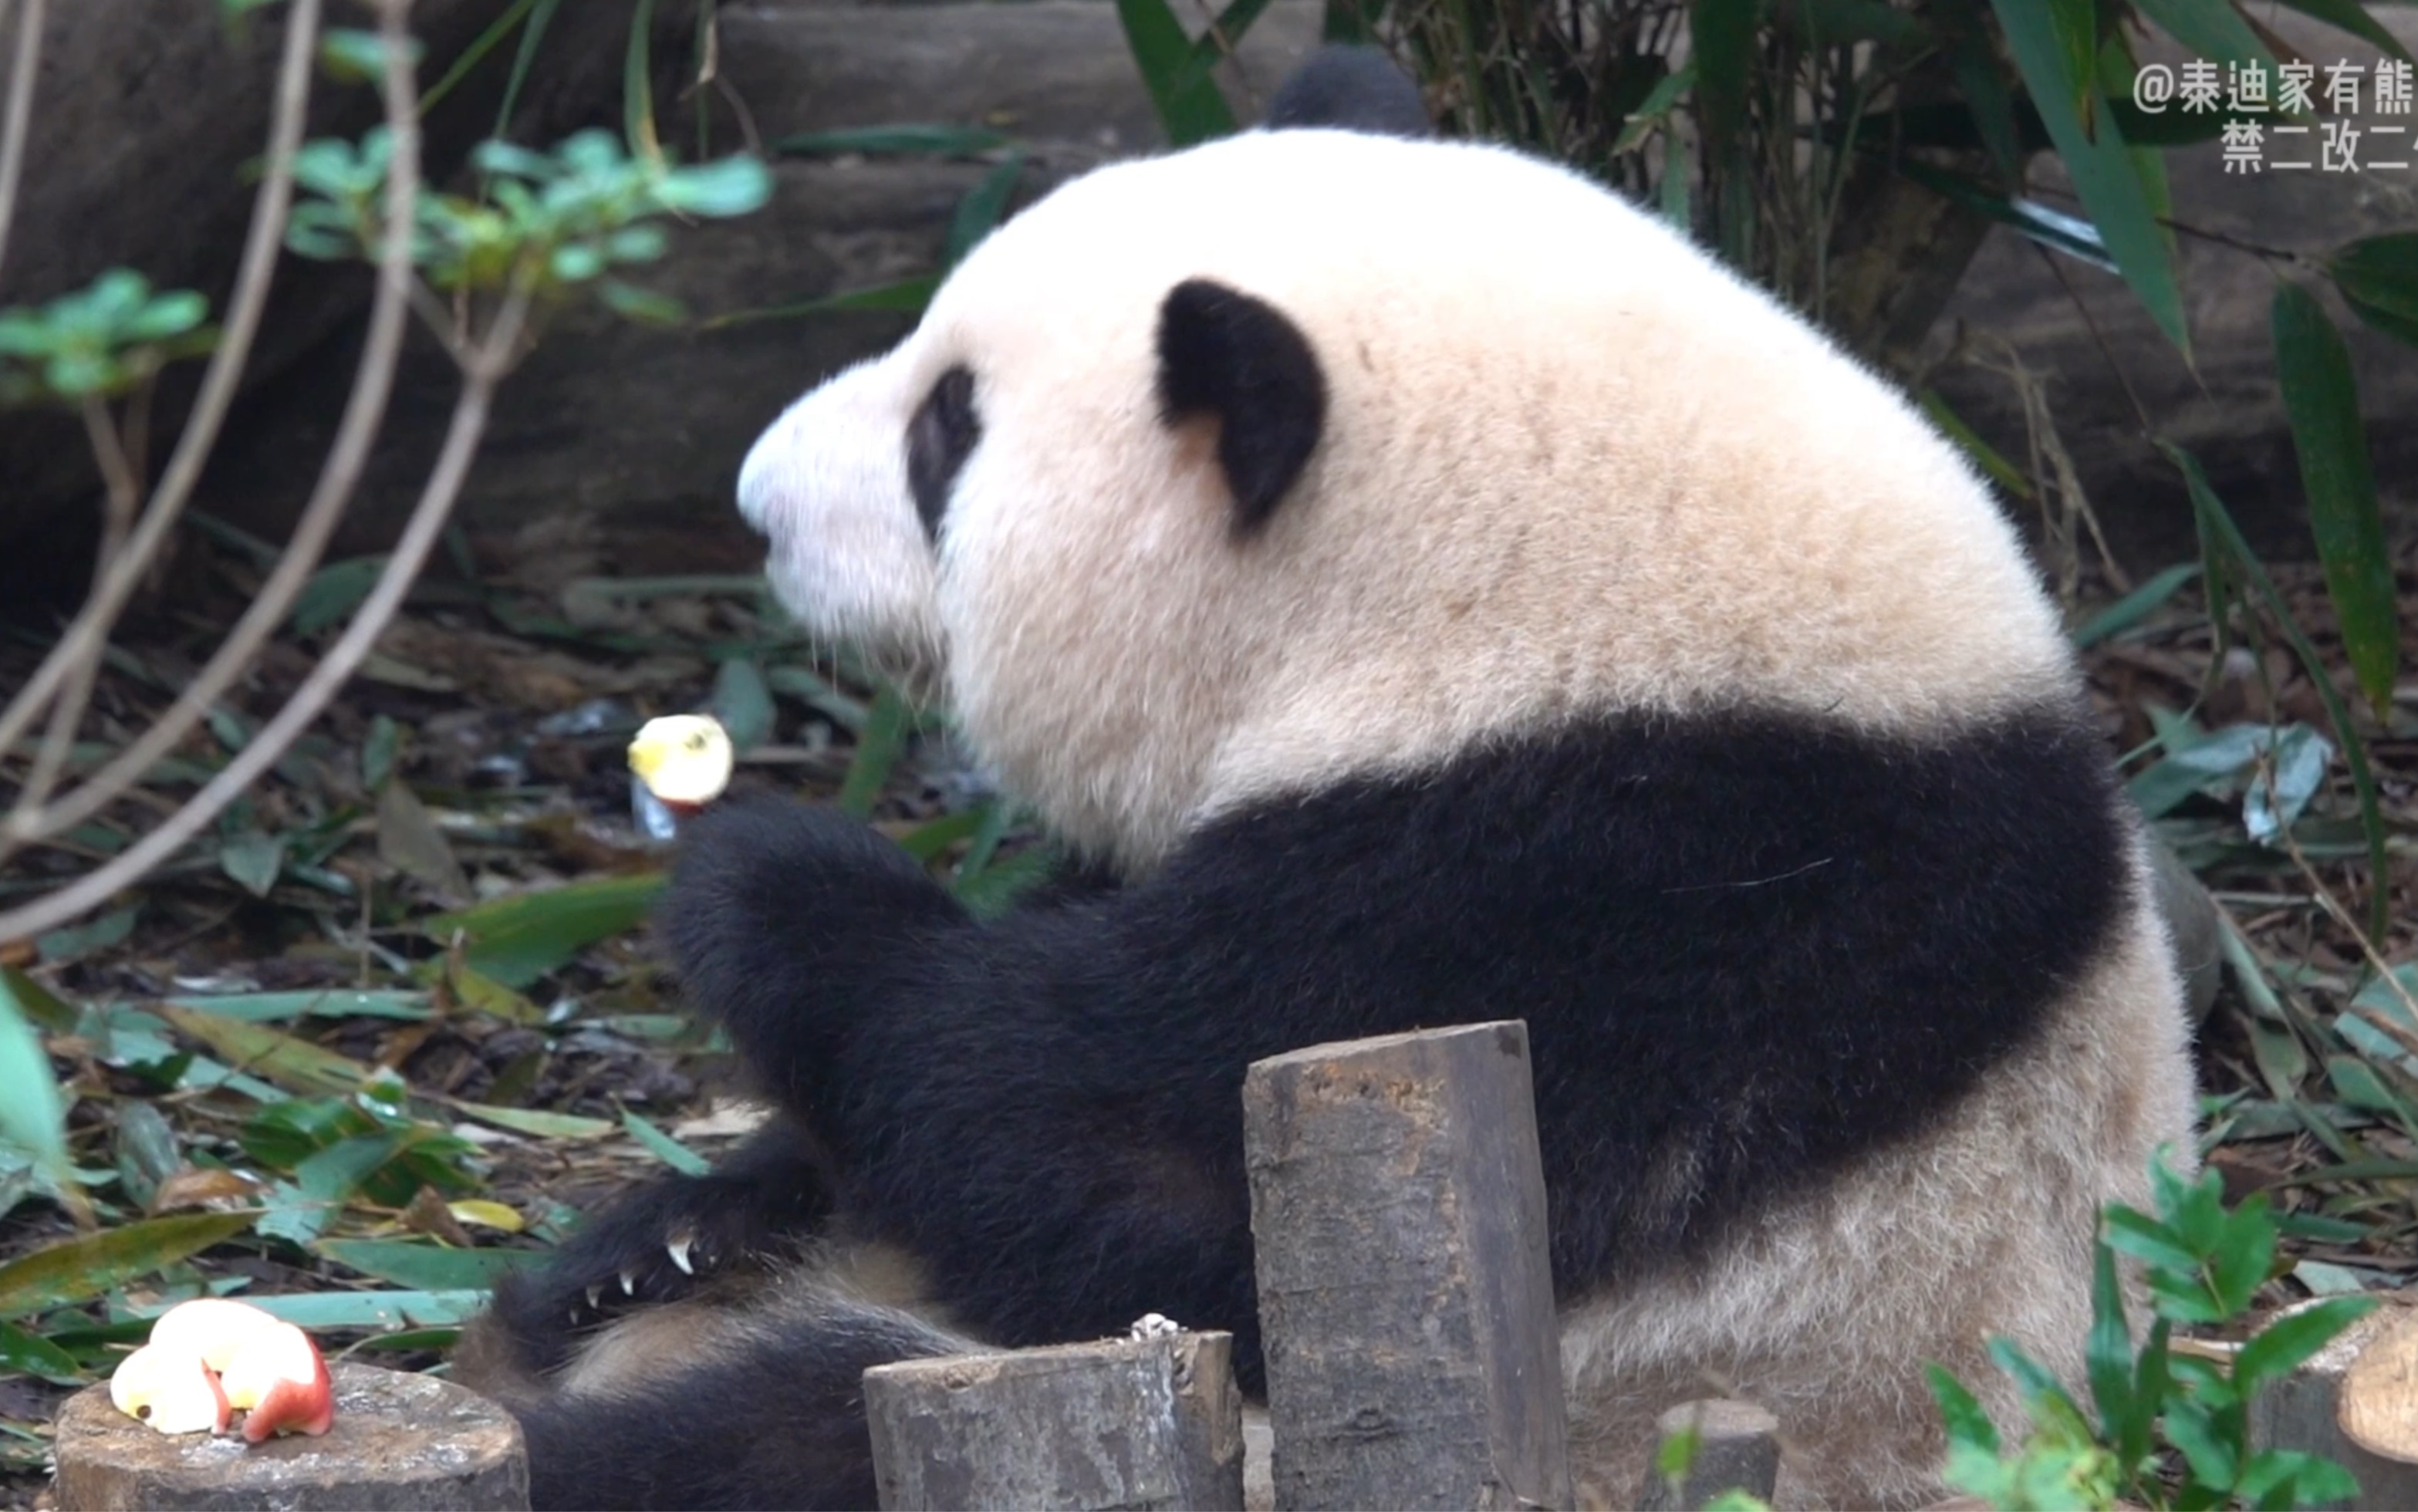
[(262, 243), (374, 383), (20, 120), (489, 364)]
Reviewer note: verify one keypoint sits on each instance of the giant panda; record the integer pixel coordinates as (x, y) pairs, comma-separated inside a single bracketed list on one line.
[(1421, 589)]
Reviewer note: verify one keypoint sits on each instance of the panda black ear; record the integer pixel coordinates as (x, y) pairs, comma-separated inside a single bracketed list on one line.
[(1353, 89), (1223, 353)]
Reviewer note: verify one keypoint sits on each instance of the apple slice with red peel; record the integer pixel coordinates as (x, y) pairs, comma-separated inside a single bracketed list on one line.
[(279, 1381), (169, 1389)]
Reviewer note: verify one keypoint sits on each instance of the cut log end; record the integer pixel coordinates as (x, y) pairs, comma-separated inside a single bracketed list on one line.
[(400, 1443)]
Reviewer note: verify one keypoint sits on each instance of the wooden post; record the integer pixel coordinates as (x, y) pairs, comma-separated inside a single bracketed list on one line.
[(1398, 1209), (1737, 1448), (400, 1442), (1123, 1422)]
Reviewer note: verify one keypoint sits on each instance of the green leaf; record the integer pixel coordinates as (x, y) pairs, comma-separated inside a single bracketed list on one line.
[(80, 1269), (2055, 46), (532, 38), (170, 314), (637, 84), (360, 55), (1968, 1425), (2378, 279), (879, 746), (317, 1002), (25, 1353), (2132, 607), (2212, 28), (679, 1156), (516, 940), (2108, 1357), (40, 1006), (1190, 109), (427, 1267), (255, 860), (2053, 229), (73, 943), (2211, 1453), (717, 191), (744, 703), (2322, 399), (883, 141), (296, 1064), (2352, 17), (33, 1114), (1722, 40), (334, 591), (371, 1309), (2147, 1240), (1980, 453), (980, 212), (545, 1125), (2294, 1337), (908, 295)]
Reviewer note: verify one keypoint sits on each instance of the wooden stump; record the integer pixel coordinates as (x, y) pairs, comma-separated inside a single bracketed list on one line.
[(1737, 1448), (401, 1444), (1398, 1210), (2302, 1411), (1120, 1423)]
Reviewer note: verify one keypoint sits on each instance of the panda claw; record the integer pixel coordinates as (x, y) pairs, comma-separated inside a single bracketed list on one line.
[(629, 1284), (678, 1249), (595, 1295)]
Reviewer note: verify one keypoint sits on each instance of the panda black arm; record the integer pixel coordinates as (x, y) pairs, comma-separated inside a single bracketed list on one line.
[(1748, 949)]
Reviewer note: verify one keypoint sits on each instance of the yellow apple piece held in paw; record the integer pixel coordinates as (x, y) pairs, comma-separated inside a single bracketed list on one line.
[(170, 1389), (683, 759)]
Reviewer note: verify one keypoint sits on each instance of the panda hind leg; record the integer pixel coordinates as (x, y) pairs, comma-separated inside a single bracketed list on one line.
[(758, 1407), (660, 1243)]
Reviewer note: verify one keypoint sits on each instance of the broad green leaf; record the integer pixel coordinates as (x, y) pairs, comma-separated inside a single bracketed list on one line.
[(41, 1007), (2352, 17), (480, 993), (517, 939), (80, 1269), (1190, 107), (76, 941), (296, 1064), (2322, 399), (2147, 1240), (995, 889), (2294, 1337), (2378, 279), (679, 1156), (32, 1113), (2044, 39), (253, 860), (146, 1150), (354, 54), (882, 140), (718, 190), (369, 1309), (2122, 1421), (2212, 1454), (426, 1267), (2212, 28), (928, 840)]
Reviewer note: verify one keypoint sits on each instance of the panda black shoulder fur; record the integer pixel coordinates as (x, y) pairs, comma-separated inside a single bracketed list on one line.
[(1437, 591)]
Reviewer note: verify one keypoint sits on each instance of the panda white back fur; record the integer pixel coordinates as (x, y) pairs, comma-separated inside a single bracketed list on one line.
[(1436, 591)]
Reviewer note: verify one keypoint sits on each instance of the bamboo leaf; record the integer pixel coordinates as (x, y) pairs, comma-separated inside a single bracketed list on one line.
[(679, 1156), (426, 1267), (295, 1064), (2378, 279), (516, 940), (2212, 28), (80, 1269), (2352, 17), (1190, 107), (2055, 48), (33, 1114), (2322, 399)]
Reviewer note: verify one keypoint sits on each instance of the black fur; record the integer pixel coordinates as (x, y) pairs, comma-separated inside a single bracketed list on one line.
[(1224, 353), (941, 436), (1750, 948), (1353, 89)]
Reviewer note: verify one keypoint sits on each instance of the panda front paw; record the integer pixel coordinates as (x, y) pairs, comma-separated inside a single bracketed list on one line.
[(669, 1240)]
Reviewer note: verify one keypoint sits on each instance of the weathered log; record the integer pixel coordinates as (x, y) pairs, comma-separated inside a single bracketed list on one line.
[(2377, 1410), (1737, 1448), (400, 1443), (1120, 1423), (1398, 1209)]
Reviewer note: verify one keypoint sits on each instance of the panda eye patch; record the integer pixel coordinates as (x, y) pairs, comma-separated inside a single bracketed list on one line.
[(938, 439)]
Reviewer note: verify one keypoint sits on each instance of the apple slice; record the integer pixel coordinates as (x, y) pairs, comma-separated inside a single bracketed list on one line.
[(169, 1389), (279, 1381)]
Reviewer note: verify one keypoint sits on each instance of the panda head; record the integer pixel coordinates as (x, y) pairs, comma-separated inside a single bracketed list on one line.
[(1310, 453)]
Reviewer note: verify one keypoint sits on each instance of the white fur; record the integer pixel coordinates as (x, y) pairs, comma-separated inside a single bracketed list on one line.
[(1570, 465)]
